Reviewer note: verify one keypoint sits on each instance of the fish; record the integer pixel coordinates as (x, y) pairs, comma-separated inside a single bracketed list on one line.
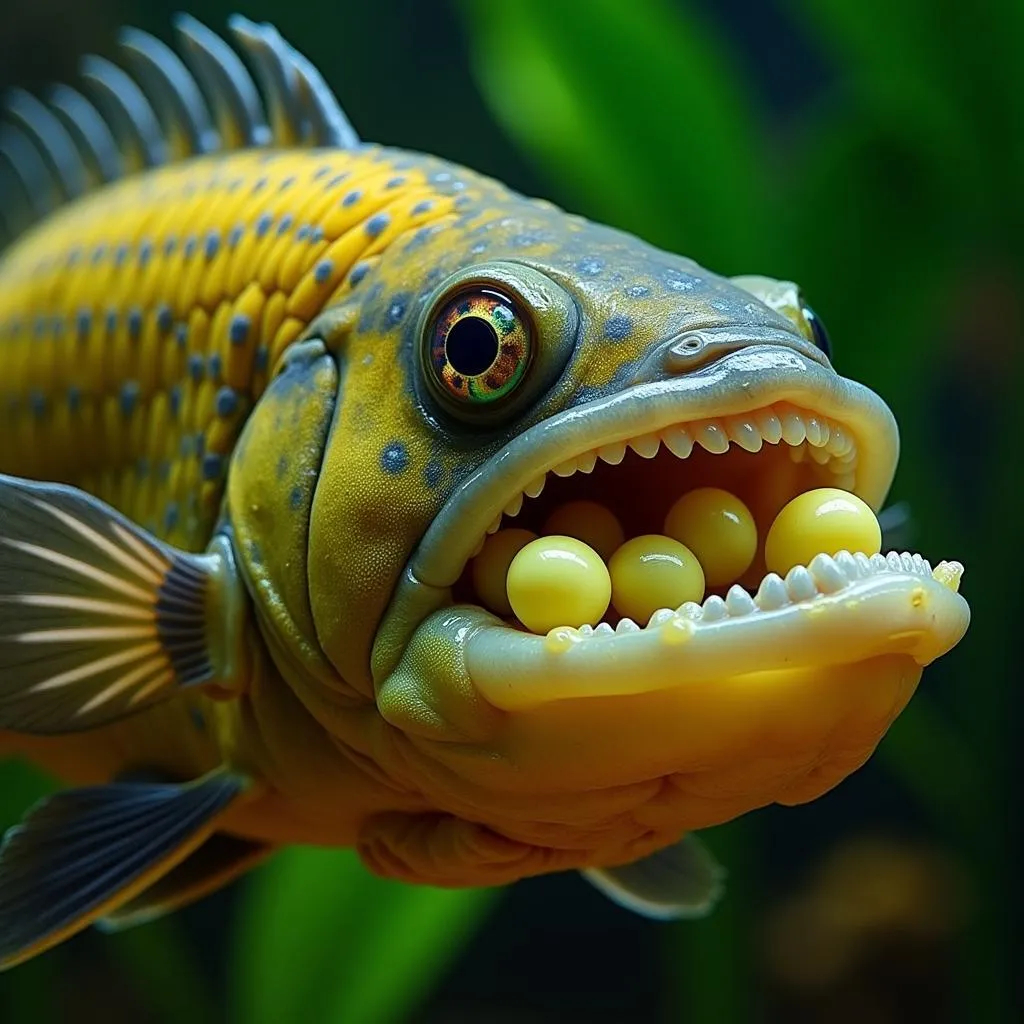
[(266, 390)]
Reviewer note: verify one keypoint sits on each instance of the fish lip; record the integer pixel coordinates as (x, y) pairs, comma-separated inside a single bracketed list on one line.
[(907, 613), (742, 381)]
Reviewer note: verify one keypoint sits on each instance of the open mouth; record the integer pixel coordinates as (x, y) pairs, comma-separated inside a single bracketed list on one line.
[(800, 431)]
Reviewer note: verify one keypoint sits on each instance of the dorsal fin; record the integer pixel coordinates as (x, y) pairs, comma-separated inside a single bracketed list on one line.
[(168, 108)]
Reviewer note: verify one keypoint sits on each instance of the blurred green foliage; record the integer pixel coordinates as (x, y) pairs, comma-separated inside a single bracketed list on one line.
[(892, 194)]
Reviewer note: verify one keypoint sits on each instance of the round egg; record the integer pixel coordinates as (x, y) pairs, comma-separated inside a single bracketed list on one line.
[(558, 581), (652, 572), (588, 521), (490, 568), (825, 520), (719, 529)]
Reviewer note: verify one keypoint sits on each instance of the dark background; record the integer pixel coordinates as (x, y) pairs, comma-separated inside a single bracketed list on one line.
[(873, 151)]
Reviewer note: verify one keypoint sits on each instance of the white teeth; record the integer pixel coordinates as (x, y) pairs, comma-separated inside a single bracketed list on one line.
[(566, 468), (800, 584), (514, 506), (838, 443), (493, 528), (769, 425), (586, 629), (848, 565), (712, 437), (660, 617), (878, 563), (817, 431), (646, 446), (738, 601), (820, 455), (626, 626), (587, 461), (690, 610), (827, 575), (864, 563), (908, 561), (612, 453), (534, 487), (715, 609), (678, 441), (745, 434), (772, 593), (793, 430), (603, 629), (894, 562)]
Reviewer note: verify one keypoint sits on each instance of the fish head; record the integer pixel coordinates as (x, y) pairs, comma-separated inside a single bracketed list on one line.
[(510, 358)]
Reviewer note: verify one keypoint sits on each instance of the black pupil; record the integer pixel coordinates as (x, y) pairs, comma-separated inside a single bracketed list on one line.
[(471, 346)]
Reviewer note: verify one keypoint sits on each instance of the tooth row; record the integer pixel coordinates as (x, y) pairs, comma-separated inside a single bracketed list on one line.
[(825, 575)]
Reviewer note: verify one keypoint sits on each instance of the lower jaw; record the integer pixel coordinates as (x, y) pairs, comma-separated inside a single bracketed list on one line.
[(883, 606)]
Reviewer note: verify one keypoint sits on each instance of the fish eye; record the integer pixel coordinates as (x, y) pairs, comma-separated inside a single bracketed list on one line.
[(481, 346), (818, 331), (493, 339)]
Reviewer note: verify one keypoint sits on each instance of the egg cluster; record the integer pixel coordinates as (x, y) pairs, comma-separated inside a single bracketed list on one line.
[(582, 562)]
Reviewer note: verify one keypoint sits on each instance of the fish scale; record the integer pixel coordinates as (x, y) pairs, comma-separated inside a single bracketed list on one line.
[(157, 306)]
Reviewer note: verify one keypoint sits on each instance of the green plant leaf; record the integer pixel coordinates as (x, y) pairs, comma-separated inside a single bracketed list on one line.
[(321, 939), (636, 112)]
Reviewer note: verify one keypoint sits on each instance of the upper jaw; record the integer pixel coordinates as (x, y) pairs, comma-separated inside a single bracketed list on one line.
[(744, 381)]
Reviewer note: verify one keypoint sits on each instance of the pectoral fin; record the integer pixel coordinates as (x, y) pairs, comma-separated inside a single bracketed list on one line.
[(99, 619), (220, 860), (683, 880), (80, 853)]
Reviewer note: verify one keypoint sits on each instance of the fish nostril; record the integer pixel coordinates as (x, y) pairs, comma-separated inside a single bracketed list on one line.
[(688, 346)]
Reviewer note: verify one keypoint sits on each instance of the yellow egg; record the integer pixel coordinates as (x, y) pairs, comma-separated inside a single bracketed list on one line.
[(652, 572), (558, 581), (825, 520), (490, 567), (590, 522), (719, 529)]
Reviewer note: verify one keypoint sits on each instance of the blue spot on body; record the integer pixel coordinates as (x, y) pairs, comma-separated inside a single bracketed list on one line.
[(287, 183), (376, 224), (351, 198), (98, 253), (395, 182), (263, 224), (145, 252), (164, 318), (617, 327), (216, 366), (174, 399), (111, 321), (295, 499), (262, 357), (74, 398), (196, 366), (170, 514), (129, 396), (212, 246), (359, 271), (37, 403), (321, 172), (83, 323), (213, 466), (479, 248), (238, 332), (285, 224), (39, 326), (134, 323), (317, 234), (677, 283), (323, 271), (638, 291), (191, 244), (336, 181), (282, 466), (170, 244), (394, 458), (227, 401), (120, 255), (590, 267), (303, 233), (235, 235), (432, 473), (181, 335), (396, 311), (259, 185), (423, 206)]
